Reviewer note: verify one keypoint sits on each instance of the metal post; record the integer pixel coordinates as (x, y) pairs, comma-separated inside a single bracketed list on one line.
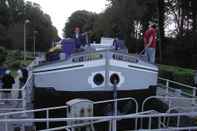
[(6, 123), (159, 122), (178, 120), (193, 95), (34, 38), (24, 52), (24, 101), (110, 125), (26, 22), (149, 122), (167, 87), (114, 126), (47, 116)]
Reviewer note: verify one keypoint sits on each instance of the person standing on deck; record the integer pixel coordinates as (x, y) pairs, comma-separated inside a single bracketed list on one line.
[(8, 81), (150, 42), (80, 38)]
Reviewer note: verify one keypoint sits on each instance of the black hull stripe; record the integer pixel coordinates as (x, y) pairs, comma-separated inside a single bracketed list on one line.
[(142, 68), (62, 68)]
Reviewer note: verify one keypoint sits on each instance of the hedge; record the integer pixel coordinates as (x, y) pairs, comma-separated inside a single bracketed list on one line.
[(178, 74)]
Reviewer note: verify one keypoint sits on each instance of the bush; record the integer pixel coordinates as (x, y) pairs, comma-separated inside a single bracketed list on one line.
[(15, 64), (178, 74)]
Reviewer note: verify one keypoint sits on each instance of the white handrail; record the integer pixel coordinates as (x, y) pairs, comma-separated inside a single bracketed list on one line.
[(59, 107), (164, 97), (178, 83), (84, 124), (188, 87), (129, 116)]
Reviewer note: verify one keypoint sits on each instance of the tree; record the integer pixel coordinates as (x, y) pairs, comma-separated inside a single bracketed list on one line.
[(3, 54), (13, 14)]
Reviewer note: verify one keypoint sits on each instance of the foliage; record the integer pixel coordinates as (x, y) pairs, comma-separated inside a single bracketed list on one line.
[(182, 75), (3, 54), (12, 18)]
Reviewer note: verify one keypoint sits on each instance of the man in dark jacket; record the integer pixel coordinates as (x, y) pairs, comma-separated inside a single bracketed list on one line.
[(23, 76), (8, 81), (80, 38)]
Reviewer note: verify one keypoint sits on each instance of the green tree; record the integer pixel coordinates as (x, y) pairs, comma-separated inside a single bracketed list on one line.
[(13, 14), (3, 54)]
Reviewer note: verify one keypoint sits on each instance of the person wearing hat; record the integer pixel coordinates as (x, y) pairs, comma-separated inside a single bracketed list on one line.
[(8, 81), (150, 42)]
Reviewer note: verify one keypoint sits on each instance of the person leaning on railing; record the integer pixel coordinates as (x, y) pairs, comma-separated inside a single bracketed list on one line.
[(23, 76), (8, 81)]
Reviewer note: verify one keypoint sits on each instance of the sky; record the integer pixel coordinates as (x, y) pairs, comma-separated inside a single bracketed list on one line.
[(60, 10)]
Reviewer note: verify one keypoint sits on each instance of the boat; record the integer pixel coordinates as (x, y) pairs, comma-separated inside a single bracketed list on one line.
[(90, 74), (100, 87)]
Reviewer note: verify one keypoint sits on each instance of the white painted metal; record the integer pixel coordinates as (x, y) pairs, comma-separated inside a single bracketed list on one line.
[(130, 116), (183, 86)]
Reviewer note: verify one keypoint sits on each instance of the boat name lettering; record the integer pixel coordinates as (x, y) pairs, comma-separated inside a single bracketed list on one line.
[(124, 58), (88, 58)]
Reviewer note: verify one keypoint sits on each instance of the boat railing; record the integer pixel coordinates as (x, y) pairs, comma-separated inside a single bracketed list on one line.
[(154, 121), (184, 89)]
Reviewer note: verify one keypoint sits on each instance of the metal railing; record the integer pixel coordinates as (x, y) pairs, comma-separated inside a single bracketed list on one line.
[(186, 90), (149, 117), (169, 102), (25, 91), (149, 120), (94, 122), (48, 110)]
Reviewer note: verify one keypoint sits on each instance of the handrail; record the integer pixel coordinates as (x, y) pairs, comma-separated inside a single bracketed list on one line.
[(189, 87), (178, 83), (129, 116), (47, 110), (59, 107), (164, 97), (83, 124)]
